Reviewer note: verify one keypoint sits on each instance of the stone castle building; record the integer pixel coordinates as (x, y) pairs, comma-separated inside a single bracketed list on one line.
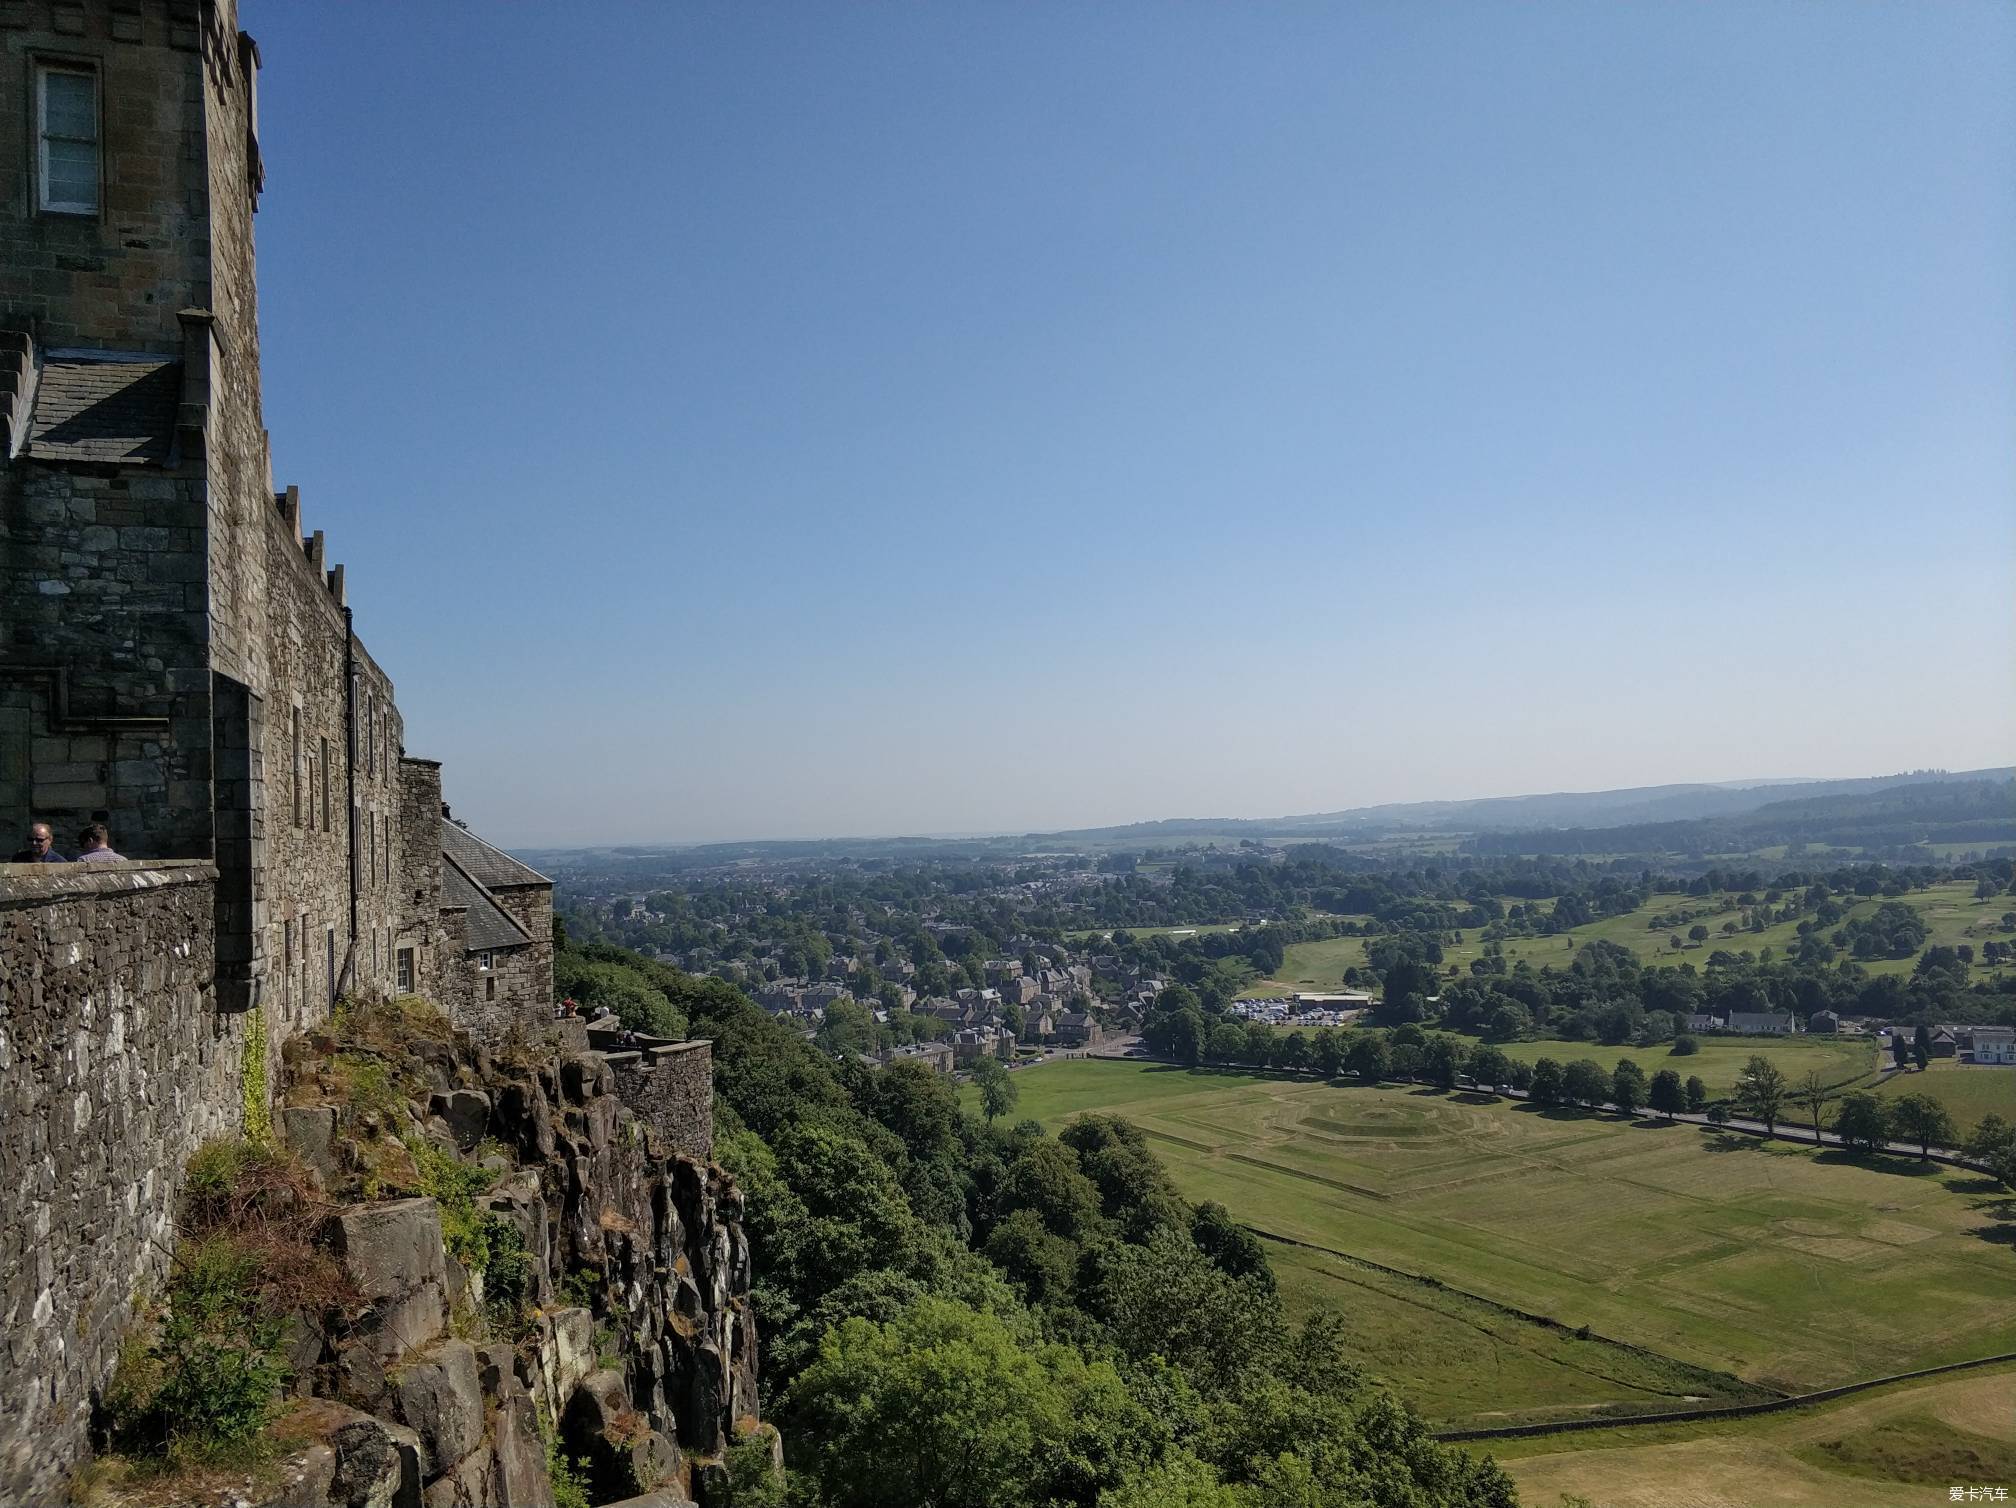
[(178, 660)]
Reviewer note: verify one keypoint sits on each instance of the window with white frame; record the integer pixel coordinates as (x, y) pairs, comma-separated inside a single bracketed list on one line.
[(405, 966), (483, 962), (67, 161)]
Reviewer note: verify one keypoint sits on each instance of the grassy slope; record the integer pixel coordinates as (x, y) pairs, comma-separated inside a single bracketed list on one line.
[(1722, 1252), (1949, 910), (1898, 1447)]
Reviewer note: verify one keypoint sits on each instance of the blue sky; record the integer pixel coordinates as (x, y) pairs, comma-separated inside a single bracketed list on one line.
[(755, 420)]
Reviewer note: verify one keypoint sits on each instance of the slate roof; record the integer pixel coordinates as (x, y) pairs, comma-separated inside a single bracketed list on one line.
[(484, 863), (92, 406), (489, 927)]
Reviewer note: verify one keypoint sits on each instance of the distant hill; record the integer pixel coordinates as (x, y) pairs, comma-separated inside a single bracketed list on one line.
[(1956, 809), (1656, 814), (1561, 809)]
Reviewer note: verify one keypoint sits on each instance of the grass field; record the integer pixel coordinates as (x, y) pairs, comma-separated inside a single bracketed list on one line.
[(1839, 1060), (1950, 911), (1721, 1059), (1967, 1092), (1713, 1251), (1896, 1447)]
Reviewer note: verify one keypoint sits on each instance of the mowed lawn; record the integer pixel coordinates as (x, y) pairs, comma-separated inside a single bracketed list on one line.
[(1896, 1447), (1837, 1060), (1967, 1092), (1788, 1269)]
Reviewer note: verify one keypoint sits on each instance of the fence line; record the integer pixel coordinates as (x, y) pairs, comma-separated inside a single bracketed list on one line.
[(1726, 1411)]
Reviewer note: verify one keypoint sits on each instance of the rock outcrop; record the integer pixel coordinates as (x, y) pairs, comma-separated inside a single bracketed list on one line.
[(536, 1275)]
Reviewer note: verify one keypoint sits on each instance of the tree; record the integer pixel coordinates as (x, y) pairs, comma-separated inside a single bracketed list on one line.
[(1329, 1053), (1627, 1087), (1443, 1060), (1697, 1094), (1548, 1084), (1040, 1264), (1812, 1093), (984, 1421), (1585, 1083), (1292, 1052), (1920, 1118), (1232, 1248), (1366, 1056), (1921, 1046), (1897, 1048), (1259, 1044), (1698, 932), (1490, 1067), (1991, 1135), (1862, 1123), (1684, 1046), (1666, 1095), (1761, 1091), (998, 1090), (1407, 983)]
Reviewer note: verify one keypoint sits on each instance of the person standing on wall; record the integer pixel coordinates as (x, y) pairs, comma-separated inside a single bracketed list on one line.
[(94, 846), (41, 847)]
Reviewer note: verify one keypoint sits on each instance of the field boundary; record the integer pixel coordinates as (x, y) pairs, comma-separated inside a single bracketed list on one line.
[(1544, 1321), (1726, 1411), (1784, 1130)]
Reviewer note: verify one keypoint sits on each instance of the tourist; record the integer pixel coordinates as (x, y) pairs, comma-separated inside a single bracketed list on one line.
[(41, 847), (94, 846)]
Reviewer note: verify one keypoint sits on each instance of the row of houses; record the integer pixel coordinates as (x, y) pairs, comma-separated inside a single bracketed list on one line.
[(1977, 1044), (1756, 1023)]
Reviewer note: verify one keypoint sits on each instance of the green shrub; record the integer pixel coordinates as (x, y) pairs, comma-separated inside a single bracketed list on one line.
[(210, 1378), (507, 1278), (454, 1185)]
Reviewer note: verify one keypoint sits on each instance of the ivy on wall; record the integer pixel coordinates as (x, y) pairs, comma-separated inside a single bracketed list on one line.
[(258, 1111)]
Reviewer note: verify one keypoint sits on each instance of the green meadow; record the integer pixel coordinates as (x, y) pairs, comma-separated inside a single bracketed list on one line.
[(1967, 1092), (1950, 911), (1702, 1264)]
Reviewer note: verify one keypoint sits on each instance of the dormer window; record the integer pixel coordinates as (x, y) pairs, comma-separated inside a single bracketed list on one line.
[(67, 131)]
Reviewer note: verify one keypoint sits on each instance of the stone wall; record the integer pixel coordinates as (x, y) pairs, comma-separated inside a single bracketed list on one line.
[(312, 779), (104, 678), (117, 278), (114, 1067), (670, 1087)]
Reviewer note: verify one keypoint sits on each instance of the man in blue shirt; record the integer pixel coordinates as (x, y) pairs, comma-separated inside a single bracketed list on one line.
[(41, 847)]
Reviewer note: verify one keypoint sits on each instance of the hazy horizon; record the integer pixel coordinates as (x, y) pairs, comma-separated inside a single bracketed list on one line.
[(842, 420), (948, 835)]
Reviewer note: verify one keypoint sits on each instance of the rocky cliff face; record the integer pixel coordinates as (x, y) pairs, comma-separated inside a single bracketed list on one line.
[(528, 1272)]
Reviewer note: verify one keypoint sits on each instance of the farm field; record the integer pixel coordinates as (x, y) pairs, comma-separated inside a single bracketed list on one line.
[(1713, 1251), (1967, 1092), (1895, 1447), (1949, 911)]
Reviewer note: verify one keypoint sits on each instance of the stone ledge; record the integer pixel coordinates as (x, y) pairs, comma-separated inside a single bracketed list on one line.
[(47, 884)]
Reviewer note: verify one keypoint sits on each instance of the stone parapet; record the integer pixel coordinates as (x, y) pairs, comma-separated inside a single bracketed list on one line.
[(667, 1085), (115, 1065)]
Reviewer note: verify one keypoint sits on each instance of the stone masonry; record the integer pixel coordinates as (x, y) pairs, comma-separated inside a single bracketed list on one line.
[(178, 661), (114, 1066)]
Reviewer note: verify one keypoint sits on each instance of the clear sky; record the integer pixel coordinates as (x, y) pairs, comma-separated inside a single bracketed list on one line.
[(749, 420)]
